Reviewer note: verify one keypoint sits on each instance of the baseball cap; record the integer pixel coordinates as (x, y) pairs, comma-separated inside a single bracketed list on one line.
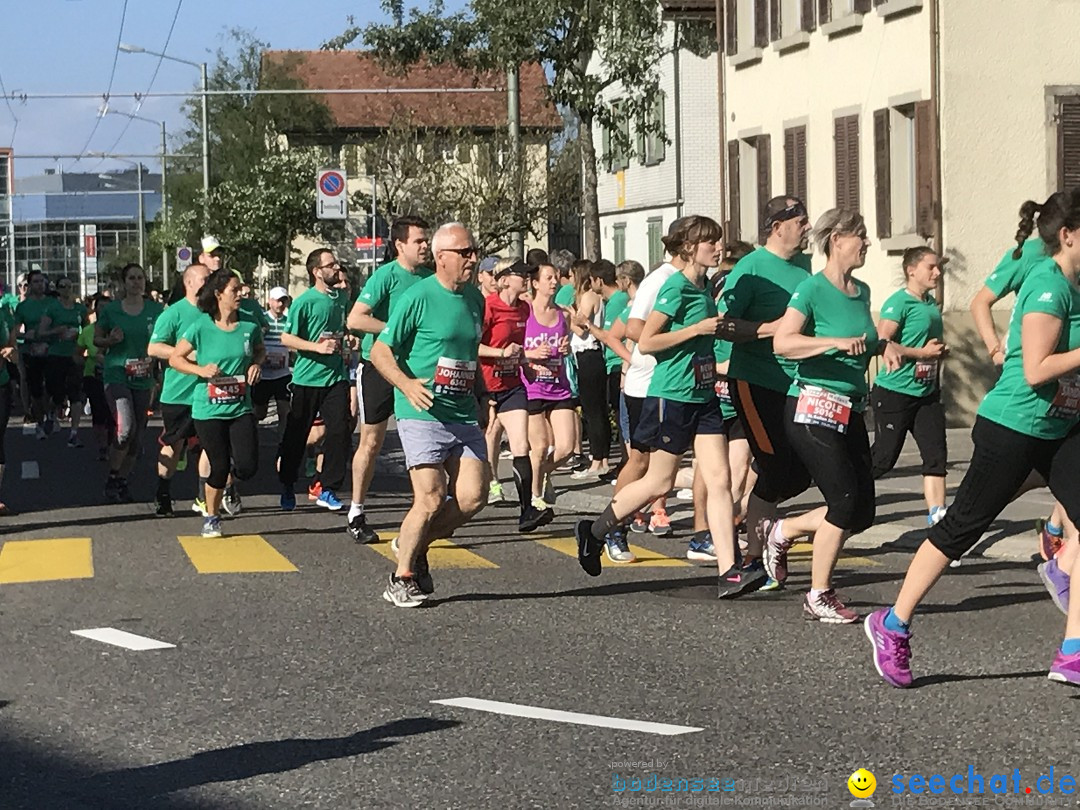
[(487, 264), (210, 244), (278, 293), (518, 268)]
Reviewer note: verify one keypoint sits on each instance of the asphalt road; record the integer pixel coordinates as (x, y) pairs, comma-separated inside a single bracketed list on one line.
[(303, 688)]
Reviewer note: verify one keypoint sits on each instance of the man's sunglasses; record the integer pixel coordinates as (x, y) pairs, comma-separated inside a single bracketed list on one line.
[(464, 252)]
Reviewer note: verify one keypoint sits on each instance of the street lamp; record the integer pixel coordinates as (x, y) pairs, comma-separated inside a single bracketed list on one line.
[(128, 48), (142, 218)]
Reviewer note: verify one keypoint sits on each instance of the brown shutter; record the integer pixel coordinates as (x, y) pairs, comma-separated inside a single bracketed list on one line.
[(1068, 157), (801, 190), (883, 173), (824, 11), (925, 160), (776, 26), (807, 15), (732, 24), (840, 155), (761, 23), (853, 201), (795, 162), (734, 213), (862, 6), (789, 162), (763, 144)]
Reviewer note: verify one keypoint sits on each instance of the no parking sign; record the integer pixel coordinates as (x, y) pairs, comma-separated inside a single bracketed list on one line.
[(332, 201)]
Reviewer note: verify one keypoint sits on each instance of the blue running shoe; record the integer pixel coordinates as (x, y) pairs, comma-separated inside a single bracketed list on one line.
[(288, 499), (701, 550), (211, 527), (328, 499)]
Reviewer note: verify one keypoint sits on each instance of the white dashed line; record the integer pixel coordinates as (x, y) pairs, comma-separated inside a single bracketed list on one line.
[(121, 638), (558, 716)]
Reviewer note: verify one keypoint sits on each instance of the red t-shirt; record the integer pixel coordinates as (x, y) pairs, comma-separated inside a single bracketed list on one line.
[(503, 324)]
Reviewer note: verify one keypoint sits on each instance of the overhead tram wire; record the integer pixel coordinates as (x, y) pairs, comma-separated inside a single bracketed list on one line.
[(112, 77), (11, 110), (382, 91)]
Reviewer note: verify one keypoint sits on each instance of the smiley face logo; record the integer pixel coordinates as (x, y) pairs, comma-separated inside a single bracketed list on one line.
[(862, 784)]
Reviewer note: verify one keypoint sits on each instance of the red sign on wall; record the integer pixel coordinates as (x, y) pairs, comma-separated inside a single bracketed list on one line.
[(90, 246)]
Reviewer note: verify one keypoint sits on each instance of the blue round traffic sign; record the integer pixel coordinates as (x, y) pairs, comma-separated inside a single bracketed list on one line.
[(183, 254), (331, 183)]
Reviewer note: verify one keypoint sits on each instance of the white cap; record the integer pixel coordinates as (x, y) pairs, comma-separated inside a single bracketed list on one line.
[(210, 244), (278, 292)]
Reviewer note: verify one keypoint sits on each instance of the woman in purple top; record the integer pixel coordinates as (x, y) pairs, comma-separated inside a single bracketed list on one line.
[(552, 418)]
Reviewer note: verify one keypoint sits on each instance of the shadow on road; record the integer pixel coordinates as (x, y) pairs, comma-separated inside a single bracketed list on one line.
[(945, 677)]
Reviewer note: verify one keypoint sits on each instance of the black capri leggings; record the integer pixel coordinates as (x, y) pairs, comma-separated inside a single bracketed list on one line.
[(592, 389), (6, 398), (896, 415), (63, 380), (229, 440), (839, 464)]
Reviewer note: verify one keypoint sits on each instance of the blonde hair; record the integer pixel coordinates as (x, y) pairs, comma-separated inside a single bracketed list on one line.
[(835, 221)]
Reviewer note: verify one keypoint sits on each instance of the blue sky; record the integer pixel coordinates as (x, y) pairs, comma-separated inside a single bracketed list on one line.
[(55, 46)]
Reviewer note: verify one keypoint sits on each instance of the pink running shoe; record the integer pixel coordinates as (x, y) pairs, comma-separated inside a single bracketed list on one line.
[(892, 651), (1065, 669)]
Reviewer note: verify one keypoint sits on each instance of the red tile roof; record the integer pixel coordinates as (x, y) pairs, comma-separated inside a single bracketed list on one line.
[(360, 70)]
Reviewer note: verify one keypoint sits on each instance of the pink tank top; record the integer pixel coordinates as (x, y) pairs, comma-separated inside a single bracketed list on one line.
[(545, 379)]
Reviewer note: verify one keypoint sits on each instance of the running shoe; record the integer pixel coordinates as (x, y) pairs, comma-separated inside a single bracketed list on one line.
[(892, 650), (422, 576), (587, 474), (73, 442), (231, 502), (328, 499), (540, 504), (639, 525), (1057, 583), (701, 550), (288, 499), (123, 492), (532, 519), (360, 531), (40, 432), (1065, 669), (742, 579), (684, 495), (618, 550), (314, 491), (164, 505), (495, 493), (211, 526), (590, 550), (579, 462), (403, 593), (1049, 544), (660, 523), (198, 506), (775, 552), (828, 608), (549, 490)]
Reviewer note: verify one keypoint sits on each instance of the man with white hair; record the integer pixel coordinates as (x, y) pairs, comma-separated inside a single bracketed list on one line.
[(428, 352)]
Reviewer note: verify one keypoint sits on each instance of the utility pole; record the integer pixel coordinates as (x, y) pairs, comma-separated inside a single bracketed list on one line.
[(513, 114)]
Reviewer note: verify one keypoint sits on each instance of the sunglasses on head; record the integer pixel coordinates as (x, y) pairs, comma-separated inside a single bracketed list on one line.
[(793, 211)]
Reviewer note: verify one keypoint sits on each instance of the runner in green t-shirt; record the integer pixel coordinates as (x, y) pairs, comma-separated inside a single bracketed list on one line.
[(178, 426), (908, 400), (373, 307), (829, 333), (223, 353), (1007, 278), (35, 349), (123, 331), (428, 352), (61, 323)]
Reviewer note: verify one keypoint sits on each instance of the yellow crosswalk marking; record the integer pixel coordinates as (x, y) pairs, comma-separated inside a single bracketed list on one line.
[(45, 560), (645, 557), (801, 552), (242, 554), (442, 554)]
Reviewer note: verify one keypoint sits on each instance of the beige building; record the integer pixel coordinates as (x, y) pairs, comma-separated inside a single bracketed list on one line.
[(934, 118)]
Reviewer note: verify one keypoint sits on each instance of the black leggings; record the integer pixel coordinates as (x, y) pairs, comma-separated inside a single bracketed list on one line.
[(1000, 463), (592, 390), (63, 381), (896, 415), (229, 442), (839, 464), (5, 414)]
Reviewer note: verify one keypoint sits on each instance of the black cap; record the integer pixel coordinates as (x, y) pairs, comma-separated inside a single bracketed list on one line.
[(518, 268)]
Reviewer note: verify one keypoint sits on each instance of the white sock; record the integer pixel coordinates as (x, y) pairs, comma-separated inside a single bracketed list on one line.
[(355, 510), (816, 592)]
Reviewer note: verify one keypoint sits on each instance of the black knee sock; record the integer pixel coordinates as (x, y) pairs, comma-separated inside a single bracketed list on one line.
[(163, 485), (605, 523), (523, 480)]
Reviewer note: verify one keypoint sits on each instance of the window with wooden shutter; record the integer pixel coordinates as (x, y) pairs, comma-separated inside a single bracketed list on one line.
[(824, 11), (862, 6), (925, 164), (763, 147), (806, 22), (1068, 142), (883, 173), (761, 23), (731, 24), (846, 137), (795, 162), (734, 213), (776, 24)]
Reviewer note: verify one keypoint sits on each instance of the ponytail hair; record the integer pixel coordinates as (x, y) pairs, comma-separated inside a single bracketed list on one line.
[(1028, 211), (1061, 210)]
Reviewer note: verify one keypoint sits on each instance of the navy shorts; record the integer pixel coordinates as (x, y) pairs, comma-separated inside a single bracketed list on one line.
[(512, 400), (671, 426)]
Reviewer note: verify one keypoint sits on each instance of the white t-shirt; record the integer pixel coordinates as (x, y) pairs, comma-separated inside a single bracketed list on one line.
[(639, 374)]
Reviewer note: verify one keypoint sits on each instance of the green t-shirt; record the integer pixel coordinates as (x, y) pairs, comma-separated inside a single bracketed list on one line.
[(565, 295), (919, 322), (687, 372), (228, 395), (85, 341), (127, 363), (313, 315), (73, 319), (382, 293), (168, 329), (435, 335), (1010, 273), (722, 351), (255, 313), (832, 314), (29, 313), (612, 310), (1012, 402), (759, 289)]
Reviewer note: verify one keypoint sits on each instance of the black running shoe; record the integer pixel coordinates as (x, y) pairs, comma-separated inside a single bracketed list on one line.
[(532, 519), (422, 575), (123, 492), (590, 550), (360, 532), (164, 505), (742, 580)]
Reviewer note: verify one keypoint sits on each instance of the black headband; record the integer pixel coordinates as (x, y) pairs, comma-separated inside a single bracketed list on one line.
[(793, 211)]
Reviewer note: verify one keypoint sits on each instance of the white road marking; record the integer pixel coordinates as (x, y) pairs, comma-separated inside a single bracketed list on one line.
[(29, 430), (30, 469), (121, 638), (558, 716)]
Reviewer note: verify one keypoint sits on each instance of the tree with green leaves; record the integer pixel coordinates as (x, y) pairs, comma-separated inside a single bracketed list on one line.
[(586, 46)]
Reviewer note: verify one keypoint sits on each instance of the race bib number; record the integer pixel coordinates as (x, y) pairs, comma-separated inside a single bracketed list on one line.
[(823, 409), (704, 373), (137, 368), (1066, 404), (546, 371), (455, 377), (926, 371), (276, 361), (226, 390), (506, 367), (723, 391)]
